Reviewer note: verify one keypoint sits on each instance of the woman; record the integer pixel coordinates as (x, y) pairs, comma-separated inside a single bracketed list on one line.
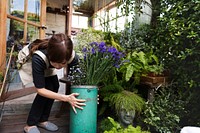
[(59, 52)]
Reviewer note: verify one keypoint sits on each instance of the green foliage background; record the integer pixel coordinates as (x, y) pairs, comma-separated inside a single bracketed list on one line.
[(173, 36), (175, 40)]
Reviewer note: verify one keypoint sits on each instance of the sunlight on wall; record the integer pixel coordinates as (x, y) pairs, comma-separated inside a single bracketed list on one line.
[(79, 21), (113, 20), (55, 22)]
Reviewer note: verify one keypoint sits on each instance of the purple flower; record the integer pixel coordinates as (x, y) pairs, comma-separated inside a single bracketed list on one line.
[(84, 57), (98, 60), (102, 44), (93, 51), (112, 50), (84, 50), (109, 53), (93, 44), (116, 65), (102, 47)]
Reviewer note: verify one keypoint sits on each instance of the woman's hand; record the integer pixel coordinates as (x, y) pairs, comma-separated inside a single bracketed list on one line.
[(75, 103)]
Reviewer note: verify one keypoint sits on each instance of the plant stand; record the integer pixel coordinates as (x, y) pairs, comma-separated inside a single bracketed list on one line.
[(154, 84)]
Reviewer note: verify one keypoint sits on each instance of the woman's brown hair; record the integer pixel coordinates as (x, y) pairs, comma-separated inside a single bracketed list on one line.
[(38, 44), (59, 47)]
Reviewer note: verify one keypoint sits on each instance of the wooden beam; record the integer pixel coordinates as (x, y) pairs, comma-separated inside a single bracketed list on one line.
[(85, 12), (25, 18), (23, 21), (17, 93), (3, 20), (43, 18), (69, 17)]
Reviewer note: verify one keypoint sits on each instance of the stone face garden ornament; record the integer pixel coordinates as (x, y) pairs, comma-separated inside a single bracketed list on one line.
[(126, 117)]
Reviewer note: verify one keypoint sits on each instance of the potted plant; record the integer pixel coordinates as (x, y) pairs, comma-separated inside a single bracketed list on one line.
[(139, 64), (97, 61)]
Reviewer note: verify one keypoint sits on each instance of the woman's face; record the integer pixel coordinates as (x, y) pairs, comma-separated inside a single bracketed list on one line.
[(58, 65)]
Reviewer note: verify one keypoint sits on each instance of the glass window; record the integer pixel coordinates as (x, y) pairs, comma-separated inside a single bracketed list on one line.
[(16, 8), (33, 33), (15, 32), (21, 31), (34, 10)]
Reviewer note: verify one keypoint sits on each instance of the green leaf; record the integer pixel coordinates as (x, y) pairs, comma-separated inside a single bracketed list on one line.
[(129, 72)]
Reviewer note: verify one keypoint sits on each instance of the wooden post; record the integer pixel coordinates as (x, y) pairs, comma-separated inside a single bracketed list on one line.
[(95, 10), (3, 20), (43, 18), (69, 17), (25, 19)]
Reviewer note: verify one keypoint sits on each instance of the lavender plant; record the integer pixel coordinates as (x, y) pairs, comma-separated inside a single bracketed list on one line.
[(98, 61)]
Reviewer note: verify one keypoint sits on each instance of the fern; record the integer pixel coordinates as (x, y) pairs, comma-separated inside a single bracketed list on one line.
[(128, 100)]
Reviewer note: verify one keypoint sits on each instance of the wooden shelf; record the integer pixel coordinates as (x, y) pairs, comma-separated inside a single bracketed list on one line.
[(86, 12), (57, 12), (154, 81)]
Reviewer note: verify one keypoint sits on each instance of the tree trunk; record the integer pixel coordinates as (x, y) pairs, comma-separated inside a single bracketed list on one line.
[(155, 12)]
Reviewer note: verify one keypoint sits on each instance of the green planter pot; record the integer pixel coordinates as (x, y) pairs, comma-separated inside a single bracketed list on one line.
[(85, 121)]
